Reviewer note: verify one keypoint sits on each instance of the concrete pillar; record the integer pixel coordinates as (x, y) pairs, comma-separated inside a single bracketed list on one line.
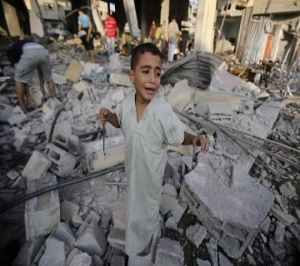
[(164, 13), (131, 18), (204, 35)]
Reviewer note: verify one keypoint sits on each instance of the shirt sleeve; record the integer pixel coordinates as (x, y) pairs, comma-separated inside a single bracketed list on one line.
[(173, 128)]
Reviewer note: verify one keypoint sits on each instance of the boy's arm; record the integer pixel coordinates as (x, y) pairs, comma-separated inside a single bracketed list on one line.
[(199, 140), (105, 115)]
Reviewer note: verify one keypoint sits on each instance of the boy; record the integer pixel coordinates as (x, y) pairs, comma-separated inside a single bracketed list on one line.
[(149, 125)]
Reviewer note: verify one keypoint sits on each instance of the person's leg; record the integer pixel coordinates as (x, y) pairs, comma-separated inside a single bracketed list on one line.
[(51, 87), (172, 52), (169, 52), (41, 79), (20, 89), (113, 45), (92, 56)]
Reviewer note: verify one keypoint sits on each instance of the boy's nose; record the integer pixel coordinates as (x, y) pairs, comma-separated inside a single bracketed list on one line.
[(152, 77)]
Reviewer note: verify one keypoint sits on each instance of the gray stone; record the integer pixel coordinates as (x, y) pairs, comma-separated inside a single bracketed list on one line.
[(55, 253), (5, 111), (91, 217), (12, 174), (98, 261), (188, 161), (28, 252), (276, 249), (264, 238), (171, 224), (68, 210), (169, 252), (294, 232), (288, 190), (139, 261), (223, 261), (116, 238), (266, 225), (170, 190), (119, 216), (92, 240), (77, 220), (175, 208), (212, 248), (37, 165), (297, 213), (42, 213), (279, 232), (285, 218), (251, 260), (105, 218), (64, 234), (71, 256), (203, 263), (196, 234), (120, 79), (118, 261), (82, 259)]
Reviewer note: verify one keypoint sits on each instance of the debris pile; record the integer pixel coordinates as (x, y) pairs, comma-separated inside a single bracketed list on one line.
[(236, 204)]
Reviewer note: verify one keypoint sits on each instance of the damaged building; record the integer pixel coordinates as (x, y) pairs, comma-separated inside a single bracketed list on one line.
[(63, 187)]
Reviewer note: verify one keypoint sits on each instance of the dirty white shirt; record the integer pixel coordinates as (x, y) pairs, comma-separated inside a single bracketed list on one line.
[(145, 161)]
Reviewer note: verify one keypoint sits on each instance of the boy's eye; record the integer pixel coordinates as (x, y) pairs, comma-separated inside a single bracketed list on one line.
[(145, 71), (157, 74)]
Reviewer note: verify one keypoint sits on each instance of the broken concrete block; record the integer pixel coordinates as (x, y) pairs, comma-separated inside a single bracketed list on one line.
[(169, 252), (212, 248), (265, 225), (285, 218), (188, 161), (219, 112), (29, 251), (37, 165), (118, 261), (74, 70), (116, 238), (118, 96), (175, 208), (214, 202), (247, 106), (196, 234), (64, 234), (119, 215), (63, 162), (68, 210), (223, 261), (203, 263), (17, 116), (120, 79), (71, 256), (52, 104), (77, 221), (55, 253), (63, 127), (37, 95), (92, 240), (12, 174), (91, 217), (42, 213), (81, 86), (58, 79), (20, 139), (105, 218), (97, 161), (276, 248), (279, 232), (171, 224), (69, 143), (170, 190), (5, 111), (82, 259), (288, 190)]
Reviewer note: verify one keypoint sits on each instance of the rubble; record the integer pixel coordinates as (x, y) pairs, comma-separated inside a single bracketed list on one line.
[(220, 199)]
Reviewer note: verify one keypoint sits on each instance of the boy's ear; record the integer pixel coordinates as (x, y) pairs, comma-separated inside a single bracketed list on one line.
[(131, 76)]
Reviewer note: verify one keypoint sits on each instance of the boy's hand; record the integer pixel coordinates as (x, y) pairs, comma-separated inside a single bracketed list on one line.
[(104, 115), (201, 141)]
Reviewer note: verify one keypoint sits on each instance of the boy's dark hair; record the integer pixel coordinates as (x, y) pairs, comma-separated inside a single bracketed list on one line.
[(141, 49)]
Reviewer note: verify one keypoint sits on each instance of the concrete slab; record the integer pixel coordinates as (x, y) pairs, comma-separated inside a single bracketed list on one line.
[(42, 213), (97, 161), (55, 253), (169, 253), (37, 165), (63, 233)]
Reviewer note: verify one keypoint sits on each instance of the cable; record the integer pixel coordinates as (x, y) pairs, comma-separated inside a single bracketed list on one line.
[(53, 125), (60, 185)]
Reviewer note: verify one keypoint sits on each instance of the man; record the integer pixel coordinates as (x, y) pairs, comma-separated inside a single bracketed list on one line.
[(110, 26), (85, 34), (26, 56), (173, 38)]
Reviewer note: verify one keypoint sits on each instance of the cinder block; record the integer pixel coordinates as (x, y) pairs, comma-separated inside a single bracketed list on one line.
[(5, 111), (55, 253), (82, 259), (63, 163), (63, 233), (97, 161), (42, 213), (92, 240), (69, 143), (219, 112), (169, 253)]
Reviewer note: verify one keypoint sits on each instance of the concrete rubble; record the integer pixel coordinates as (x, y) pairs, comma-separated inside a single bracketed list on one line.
[(235, 204)]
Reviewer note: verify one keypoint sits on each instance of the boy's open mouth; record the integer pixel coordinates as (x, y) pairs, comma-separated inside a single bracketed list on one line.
[(150, 91)]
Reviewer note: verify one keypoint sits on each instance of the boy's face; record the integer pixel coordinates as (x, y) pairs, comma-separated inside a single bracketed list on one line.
[(146, 76)]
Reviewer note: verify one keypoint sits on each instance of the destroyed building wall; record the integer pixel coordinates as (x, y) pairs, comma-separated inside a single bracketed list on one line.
[(275, 6)]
